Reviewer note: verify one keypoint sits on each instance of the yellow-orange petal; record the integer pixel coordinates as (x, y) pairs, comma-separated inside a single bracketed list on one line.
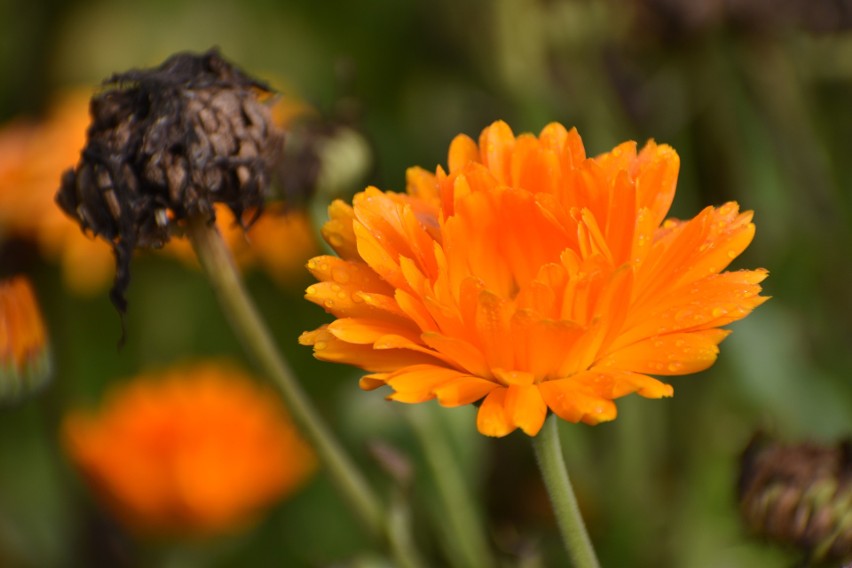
[(462, 150), (338, 232), (670, 354), (416, 383), (574, 403), (492, 419), (525, 408), (463, 390)]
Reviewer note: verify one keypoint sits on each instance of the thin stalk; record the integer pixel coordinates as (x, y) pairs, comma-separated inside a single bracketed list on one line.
[(548, 453), (469, 546), (217, 262)]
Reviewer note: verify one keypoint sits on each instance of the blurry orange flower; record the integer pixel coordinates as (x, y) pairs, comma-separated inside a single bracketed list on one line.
[(280, 241), (193, 450), (24, 352), (32, 159), (33, 156), (532, 277)]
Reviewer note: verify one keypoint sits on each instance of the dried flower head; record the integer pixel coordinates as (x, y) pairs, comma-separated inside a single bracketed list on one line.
[(194, 450), (166, 144), (532, 278), (25, 362), (799, 495)]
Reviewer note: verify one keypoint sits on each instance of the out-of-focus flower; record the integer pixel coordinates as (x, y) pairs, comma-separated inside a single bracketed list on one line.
[(193, 450), (32, 158), (799, 495), (25, 362), (280, 241), (531, 277)]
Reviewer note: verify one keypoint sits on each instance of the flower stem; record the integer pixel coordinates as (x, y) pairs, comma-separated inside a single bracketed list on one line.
[(469, 546), (548, 453), (218, 263)]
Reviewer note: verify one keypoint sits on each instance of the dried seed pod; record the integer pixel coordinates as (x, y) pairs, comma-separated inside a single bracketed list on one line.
[(166, 144), (799, 495)]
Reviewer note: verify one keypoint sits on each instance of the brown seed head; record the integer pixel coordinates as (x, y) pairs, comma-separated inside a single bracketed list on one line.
[(166, 144), (799, 495)]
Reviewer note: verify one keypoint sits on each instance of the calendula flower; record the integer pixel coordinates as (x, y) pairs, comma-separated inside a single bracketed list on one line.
[(25, 362), (194, 450), (32, 158), (531, 278)]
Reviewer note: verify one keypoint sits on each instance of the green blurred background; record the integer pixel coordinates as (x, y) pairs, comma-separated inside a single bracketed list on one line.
[(753, 94)]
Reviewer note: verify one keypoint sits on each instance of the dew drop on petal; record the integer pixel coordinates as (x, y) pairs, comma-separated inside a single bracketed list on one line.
[(320, 345), (328, 303), (340, 275)]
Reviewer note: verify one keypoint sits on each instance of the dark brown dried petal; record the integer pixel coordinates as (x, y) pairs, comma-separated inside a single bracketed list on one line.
[(166, 144)]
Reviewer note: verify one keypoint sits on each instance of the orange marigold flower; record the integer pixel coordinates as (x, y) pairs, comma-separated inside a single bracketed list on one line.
[(194, 450), (532, 278), (25, 362)]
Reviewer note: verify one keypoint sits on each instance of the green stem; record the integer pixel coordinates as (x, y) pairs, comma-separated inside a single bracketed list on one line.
[(548, 453), (216, 259), (469, 547)]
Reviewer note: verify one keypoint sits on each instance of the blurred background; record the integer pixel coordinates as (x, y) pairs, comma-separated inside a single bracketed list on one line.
[(753, 94)]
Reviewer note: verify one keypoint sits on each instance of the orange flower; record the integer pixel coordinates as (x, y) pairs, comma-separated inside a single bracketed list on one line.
[(531, 277), (192, 450), (32, 159), (25, 362)]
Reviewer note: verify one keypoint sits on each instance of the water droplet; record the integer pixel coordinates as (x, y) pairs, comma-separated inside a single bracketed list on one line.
[(340, 275), (328, 303), (675, 367), (342, 295), (719, 312), (680, 343), (357, 298), (312, 290), (335, 288), (658, 343), (732, 253), (320, 345)]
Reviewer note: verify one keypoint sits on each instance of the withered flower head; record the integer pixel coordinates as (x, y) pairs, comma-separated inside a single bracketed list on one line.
[(800, 495), (164, 145)]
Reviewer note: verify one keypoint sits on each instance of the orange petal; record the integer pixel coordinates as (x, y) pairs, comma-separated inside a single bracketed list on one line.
[(492, 419), (462, 150), (416, 383), (670, 354), (525, 408), (464, 390), (574, 403)]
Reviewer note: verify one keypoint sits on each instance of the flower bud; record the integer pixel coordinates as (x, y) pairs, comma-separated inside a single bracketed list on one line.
[(25, 362), (799, 495)]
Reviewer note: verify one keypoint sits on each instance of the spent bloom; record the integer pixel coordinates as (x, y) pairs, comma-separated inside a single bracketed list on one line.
[(192, 450), (530, 278), (25, 362)]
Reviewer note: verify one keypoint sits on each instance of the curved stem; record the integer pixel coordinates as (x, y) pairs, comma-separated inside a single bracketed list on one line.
[(218, 263), (548, 453)]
